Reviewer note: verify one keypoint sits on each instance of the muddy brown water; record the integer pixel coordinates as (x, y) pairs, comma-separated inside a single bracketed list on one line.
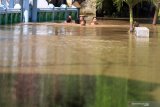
[(48, 65)]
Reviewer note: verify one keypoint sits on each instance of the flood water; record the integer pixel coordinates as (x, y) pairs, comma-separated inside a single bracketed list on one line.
[(45, 65)]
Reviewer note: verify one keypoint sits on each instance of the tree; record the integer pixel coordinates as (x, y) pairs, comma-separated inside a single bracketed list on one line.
[(131, 4), (157, 4), (99, 5)]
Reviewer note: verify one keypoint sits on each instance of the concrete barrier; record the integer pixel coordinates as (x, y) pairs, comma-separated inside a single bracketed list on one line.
[(141, 31)]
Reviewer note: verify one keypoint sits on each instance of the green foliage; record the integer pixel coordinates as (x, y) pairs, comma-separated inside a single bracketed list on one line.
[(99, 5), (130, 3)]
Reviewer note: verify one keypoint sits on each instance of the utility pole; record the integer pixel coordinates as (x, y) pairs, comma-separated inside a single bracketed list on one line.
[(11, 3)]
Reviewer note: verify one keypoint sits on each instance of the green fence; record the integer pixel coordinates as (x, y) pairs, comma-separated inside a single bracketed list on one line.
[(56, 16), (13, 16), (59, 15), (74, 15), (45, 17), (10, 18), (2, 19)]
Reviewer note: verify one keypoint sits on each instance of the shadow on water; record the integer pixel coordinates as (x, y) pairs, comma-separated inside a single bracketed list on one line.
[(34, 90)]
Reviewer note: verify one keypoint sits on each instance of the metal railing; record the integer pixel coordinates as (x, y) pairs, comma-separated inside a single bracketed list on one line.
[(11, 15)]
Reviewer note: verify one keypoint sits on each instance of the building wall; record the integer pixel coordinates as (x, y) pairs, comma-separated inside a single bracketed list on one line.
[(88, 6)]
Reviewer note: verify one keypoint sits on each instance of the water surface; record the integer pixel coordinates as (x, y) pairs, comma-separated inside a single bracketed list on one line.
[(44, 65)]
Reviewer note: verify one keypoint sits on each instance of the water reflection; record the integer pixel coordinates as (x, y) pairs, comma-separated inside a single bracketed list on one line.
[(107, 50), (66, 66), (34, 90)]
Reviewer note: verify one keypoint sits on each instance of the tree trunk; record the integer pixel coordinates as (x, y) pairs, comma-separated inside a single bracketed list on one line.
[(155, 15), (131, 18)]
